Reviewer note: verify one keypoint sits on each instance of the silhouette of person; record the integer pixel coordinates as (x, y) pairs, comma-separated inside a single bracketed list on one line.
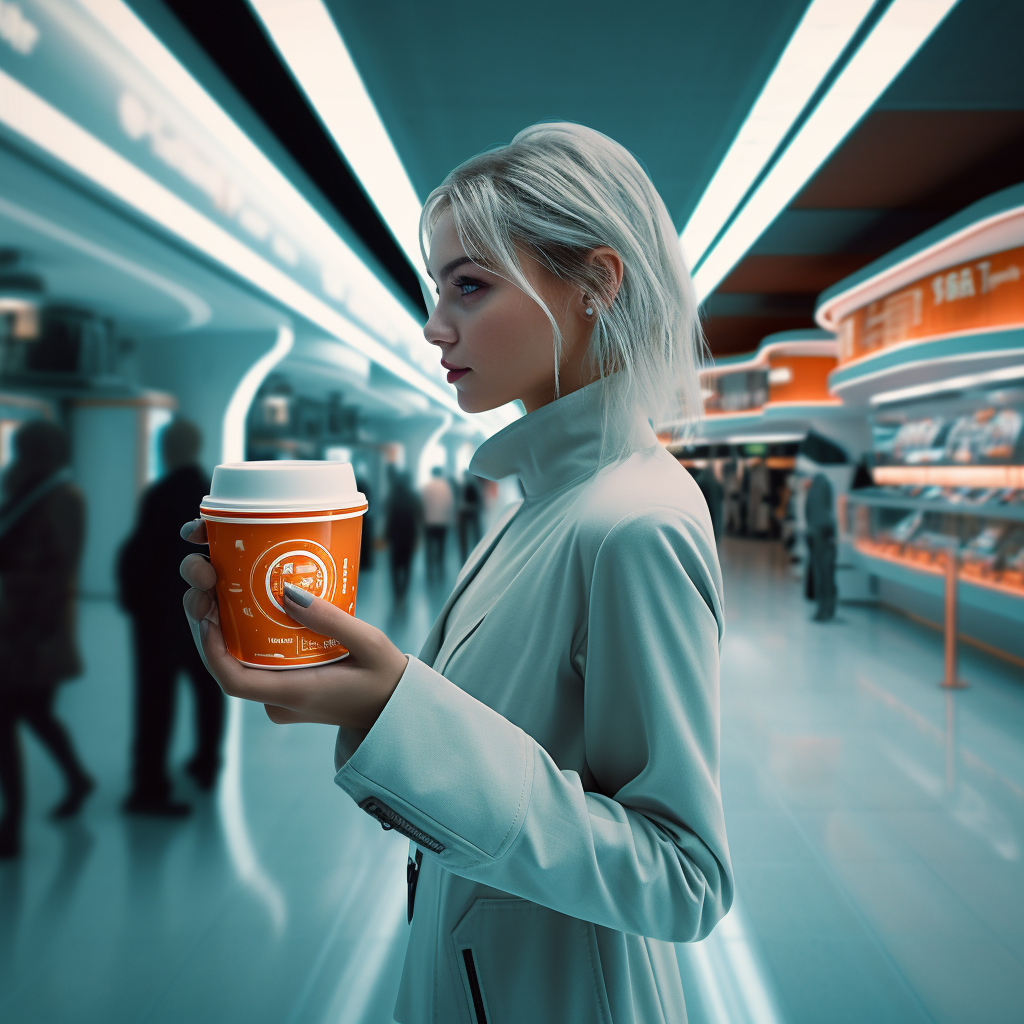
[(438, 507), (402, 527), (714, 495), (151, 589), (42, 530), (821, 540), (470, 501), (366, 538)]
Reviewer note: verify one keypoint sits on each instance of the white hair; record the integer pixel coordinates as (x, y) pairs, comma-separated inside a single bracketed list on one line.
[(558, 191)]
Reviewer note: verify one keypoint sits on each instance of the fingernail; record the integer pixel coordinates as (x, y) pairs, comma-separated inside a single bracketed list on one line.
[(189, 528), (204, 628), (301, 597)]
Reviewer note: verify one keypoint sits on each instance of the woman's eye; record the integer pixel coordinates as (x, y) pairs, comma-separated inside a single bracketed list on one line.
[(466, 286)]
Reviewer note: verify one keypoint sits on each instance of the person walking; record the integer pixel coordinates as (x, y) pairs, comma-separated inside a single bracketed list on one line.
[(367, 535), (438, 509), (470, 502), (821, 542), (711, 487), (403, 520), (42, 531), (151, 589)]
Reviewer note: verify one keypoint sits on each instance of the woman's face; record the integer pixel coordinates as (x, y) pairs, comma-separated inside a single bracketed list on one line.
[(495, 341)]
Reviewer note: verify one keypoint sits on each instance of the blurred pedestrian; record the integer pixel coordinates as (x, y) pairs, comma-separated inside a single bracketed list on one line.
[(366, 538), (438, 510), (42, 531), (714, 494), (733, 498), (470, 502), (821, 543), (759, 499), (151, 589), (402, 527)]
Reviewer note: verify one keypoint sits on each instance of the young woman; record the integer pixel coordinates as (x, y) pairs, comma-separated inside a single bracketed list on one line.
[(553, 751)]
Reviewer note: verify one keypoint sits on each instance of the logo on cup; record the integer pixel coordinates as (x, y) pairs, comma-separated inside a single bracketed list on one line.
[(310, 567)]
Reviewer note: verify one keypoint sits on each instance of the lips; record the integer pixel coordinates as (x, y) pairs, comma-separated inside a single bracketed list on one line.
[(454, 372)]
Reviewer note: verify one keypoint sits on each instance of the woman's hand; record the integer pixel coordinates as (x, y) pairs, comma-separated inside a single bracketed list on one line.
[(350, 693)]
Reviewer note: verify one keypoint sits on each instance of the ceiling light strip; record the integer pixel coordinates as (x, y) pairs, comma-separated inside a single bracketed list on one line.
[(141, 45), (56, 134), (1003, 375), (376, 298), (312, 47), (823, 34), (898, 35)]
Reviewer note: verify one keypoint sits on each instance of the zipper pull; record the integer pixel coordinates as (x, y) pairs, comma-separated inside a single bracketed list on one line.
[(412, 877)]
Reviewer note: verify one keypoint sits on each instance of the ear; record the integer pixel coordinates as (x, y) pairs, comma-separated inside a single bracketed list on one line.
[(609, 264)]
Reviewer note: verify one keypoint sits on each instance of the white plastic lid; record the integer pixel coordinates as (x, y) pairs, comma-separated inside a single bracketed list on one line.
[(286, 486)]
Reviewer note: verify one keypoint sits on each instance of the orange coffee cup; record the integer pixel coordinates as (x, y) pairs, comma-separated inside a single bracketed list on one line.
[(271, 523)]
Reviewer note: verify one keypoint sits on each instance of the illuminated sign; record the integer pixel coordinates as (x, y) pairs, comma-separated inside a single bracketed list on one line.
[(982, 295)]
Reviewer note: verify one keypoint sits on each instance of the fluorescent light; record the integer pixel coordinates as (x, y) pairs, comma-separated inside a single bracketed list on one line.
[(233, 431), (780, 375), (824, 32), (366, 296), (199, 312), (44, 125), (311, 45), (761, 439), (972, 380), (898, 35)]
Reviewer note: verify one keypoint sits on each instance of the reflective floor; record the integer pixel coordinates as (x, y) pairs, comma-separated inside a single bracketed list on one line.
[(876, 825)]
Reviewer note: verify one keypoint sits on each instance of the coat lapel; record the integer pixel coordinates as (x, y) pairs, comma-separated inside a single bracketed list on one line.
[(432, 646)]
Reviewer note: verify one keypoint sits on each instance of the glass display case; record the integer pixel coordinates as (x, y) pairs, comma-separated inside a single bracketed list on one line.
[(949, 482)]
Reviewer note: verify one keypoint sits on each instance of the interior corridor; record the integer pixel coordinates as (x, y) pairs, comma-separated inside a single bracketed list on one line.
[(876, 825)]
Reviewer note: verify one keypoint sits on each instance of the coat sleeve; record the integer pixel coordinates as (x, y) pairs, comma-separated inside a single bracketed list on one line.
[(645, 850)]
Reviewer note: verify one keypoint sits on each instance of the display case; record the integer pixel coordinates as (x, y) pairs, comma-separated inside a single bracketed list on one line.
[(931, 346), (949, 482)]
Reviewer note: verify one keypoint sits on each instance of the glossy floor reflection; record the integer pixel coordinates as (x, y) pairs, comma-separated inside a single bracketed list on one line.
[(876, 825), (279, 901), (876, 821)]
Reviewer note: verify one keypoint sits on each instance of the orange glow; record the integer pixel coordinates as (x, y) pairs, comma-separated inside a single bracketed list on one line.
[(949, 476), (980, 295), (1008, 582), (808, 378)]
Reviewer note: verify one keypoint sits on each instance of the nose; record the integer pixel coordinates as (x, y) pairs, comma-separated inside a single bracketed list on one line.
[(437, 330)]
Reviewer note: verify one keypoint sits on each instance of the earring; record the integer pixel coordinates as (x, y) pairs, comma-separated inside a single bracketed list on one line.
[(590, 310)]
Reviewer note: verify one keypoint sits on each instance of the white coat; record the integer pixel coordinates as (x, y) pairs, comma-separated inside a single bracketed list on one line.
[(554, 750)]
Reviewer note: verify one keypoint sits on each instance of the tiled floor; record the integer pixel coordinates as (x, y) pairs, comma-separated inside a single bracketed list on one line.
[(876, 825), (876, 821)]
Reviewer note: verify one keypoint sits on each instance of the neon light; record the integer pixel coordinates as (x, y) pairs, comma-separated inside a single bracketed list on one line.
[(824, 32), (233, 434), (312, 47), (45, 126), (899, 34), (199, 312), (344, 276), (973, 380)]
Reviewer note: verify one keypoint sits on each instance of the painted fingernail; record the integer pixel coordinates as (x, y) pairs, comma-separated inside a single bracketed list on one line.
[(301, 597), (189, 528)]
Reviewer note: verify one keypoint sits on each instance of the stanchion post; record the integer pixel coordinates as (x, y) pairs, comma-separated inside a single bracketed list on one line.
[(951, 681)]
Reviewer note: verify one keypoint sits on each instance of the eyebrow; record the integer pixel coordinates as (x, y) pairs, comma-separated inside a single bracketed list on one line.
[(451, 265)]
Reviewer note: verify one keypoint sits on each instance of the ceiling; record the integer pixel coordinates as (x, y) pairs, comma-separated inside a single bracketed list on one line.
[(672, 81), (89, 256)]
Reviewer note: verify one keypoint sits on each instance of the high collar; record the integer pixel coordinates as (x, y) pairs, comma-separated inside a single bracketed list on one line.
[(564, 441)]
